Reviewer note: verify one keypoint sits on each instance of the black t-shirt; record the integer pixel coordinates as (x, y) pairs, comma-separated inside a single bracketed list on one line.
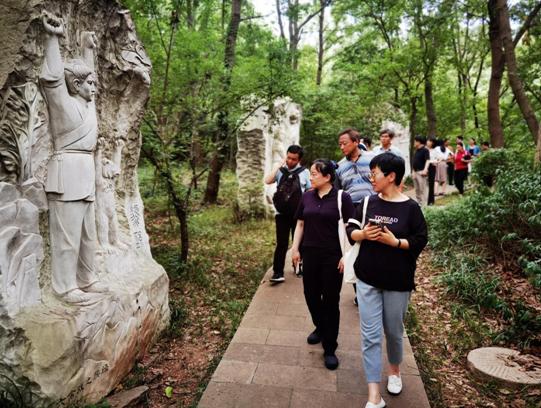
[(420, 157), (387, 267), (320, 216)]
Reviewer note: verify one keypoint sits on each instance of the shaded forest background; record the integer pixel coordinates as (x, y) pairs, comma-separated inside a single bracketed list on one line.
[(445, 68)]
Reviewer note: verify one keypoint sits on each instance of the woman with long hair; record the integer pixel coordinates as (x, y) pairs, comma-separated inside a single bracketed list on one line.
[(317, 241)]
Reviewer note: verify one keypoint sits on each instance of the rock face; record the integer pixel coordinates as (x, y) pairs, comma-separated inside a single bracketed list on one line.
[(262, 142), (73, 349)]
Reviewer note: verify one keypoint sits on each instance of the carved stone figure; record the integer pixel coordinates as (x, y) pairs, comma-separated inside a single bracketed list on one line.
[(69, 91), (73, 353), (107, 171)]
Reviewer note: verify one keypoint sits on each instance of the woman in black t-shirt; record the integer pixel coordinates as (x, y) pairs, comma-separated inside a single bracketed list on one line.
[(394, 235), (317, 230)]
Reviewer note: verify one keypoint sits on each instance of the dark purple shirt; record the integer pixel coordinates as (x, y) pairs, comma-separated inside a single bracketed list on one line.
[(320, 216)]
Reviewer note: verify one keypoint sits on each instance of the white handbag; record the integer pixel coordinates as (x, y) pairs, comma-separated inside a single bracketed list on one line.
[(349, 252)]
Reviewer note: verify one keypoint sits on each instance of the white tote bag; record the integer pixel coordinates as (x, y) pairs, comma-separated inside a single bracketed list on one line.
[(349, 252)]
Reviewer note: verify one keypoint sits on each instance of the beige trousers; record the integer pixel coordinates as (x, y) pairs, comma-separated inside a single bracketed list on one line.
[(421, 187)]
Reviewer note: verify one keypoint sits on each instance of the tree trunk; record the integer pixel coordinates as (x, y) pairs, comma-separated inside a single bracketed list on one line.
[(222, 138), (430, 110), (537, 157), (512, 71), (461, 97), (321, 43), (495, 127), (280, 23)]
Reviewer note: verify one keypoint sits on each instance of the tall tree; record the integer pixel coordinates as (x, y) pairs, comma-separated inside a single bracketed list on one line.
[(223, 132), (298, 16), (512, 70)]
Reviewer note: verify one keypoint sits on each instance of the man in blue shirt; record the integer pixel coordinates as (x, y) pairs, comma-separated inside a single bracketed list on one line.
[(286, 221), (353, 173), (386, 139)]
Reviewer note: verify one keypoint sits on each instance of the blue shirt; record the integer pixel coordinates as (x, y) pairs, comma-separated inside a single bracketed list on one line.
[(379, 150), (354, 176)]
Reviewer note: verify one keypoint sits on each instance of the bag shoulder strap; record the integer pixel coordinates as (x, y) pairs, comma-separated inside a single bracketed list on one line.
[(340, 202), (365, 206)]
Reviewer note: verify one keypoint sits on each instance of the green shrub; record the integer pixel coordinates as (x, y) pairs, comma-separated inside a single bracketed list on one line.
[(501, 225), (490, 164)]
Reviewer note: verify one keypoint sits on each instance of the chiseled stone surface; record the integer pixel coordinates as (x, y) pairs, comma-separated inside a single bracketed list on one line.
[(504, 365), (269, 363), (66, 352), (262, 142)]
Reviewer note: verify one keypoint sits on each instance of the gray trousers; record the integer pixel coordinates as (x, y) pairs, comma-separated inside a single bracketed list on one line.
[(72, 227), (381, 309), (421, 188)]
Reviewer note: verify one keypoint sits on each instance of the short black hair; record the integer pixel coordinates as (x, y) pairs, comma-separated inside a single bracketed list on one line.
[(296, 149), (420, 139), (388, 131), (485, 144), (326, 167), (367, 141), (353, 134), (390, 163)]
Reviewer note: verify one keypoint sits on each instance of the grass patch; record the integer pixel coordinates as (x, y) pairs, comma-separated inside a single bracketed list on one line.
[(211, 291)]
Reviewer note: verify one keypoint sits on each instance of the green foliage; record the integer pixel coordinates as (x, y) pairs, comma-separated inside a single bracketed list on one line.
[(502, 225), (489, 164)]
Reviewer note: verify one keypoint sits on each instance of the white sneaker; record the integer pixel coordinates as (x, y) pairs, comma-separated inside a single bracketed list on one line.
[(380, 404), (394, 385)]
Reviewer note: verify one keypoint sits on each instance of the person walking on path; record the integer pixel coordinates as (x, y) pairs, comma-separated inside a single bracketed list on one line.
[(391, 242), (435, 157), (450, 162), (386, 139), (462, 159), (293, 180), (441, 168), (317, 241), (421, 161), (353, 173)]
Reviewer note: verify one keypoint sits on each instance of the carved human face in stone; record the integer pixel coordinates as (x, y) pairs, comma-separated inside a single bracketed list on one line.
[(87, 88)]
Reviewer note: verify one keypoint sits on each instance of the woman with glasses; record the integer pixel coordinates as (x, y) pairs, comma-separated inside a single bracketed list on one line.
[(394, 235), (316, 239)]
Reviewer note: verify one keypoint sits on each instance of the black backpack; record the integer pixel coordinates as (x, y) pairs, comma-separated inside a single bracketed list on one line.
[(289, 192)]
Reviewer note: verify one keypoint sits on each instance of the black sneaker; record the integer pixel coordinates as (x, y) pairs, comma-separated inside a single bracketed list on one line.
[(331, 361), (313, 338), (277, 278)]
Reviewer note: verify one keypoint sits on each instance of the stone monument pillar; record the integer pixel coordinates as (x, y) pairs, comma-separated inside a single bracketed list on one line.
[(80, 296), (262, 143)]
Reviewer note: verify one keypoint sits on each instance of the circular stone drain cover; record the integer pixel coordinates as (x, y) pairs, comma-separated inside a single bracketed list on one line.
[(506, 365)]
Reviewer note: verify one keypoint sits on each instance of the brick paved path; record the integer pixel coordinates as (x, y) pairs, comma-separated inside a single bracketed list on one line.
[(269, 364)]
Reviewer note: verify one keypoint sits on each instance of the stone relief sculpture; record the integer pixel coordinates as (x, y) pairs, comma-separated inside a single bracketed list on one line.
[(71, 216), (18, 118), (107, 171), (69, 92)]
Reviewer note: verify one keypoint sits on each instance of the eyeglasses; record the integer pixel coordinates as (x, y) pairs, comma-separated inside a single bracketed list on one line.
[(373, 175)]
